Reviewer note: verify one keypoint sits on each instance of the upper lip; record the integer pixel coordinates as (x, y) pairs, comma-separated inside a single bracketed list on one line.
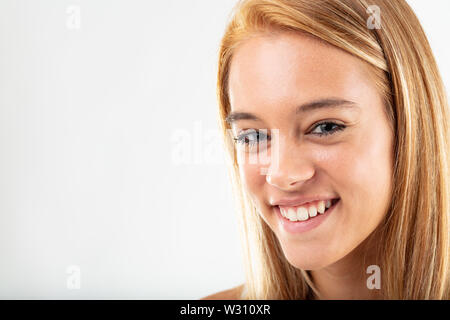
[(298, 201)]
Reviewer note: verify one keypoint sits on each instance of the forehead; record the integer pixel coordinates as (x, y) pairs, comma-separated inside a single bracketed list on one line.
[(279, 69)]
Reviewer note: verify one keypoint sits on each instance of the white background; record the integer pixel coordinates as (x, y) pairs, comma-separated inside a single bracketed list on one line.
[(91, 120)]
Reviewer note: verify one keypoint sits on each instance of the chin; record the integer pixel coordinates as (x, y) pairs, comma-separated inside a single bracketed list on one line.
[(308, 265), (309, 259)]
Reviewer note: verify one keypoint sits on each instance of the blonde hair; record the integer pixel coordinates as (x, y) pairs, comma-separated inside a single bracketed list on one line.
[(414, 249)]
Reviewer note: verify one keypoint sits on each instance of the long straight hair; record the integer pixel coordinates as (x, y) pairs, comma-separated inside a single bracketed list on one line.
[(414, 237)]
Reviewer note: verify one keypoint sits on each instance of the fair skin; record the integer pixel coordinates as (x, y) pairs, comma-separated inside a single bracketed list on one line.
[(270, 76)]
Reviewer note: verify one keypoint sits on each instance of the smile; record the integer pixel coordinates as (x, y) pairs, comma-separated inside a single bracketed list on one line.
[(307, 210), (312, 213)]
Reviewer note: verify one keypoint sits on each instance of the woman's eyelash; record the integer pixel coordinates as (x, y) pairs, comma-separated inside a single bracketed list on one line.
[(338, 127), (245, 137)]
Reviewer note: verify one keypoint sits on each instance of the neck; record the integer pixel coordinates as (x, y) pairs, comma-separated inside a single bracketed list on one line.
[(346, 279)]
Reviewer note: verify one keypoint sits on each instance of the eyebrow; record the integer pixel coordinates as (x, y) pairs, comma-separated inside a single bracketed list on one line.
[(309, 106)]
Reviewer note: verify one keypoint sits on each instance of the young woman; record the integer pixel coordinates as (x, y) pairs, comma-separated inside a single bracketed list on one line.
[(345, 102)]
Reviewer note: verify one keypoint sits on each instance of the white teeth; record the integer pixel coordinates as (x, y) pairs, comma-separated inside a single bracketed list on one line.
[(292, 215), (312, 211), (305, 212), (321, 206), (302, 214)]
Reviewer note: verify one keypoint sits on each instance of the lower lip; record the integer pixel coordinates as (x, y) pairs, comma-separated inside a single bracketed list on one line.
[(304, 226)]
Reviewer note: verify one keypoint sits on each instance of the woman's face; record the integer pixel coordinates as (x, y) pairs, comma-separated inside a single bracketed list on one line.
[(333, 142)]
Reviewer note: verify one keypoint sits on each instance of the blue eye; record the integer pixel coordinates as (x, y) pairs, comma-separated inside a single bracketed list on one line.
[(327, 128), (252, 137)]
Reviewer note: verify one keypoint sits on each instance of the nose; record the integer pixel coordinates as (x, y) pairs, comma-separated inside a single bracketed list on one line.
[(292, 168)]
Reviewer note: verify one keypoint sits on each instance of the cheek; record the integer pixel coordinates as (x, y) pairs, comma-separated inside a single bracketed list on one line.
[(252, 179), (375, 169), (362, 173)]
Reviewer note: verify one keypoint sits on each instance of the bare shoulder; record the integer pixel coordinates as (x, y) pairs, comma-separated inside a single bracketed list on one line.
[(229, 294)]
